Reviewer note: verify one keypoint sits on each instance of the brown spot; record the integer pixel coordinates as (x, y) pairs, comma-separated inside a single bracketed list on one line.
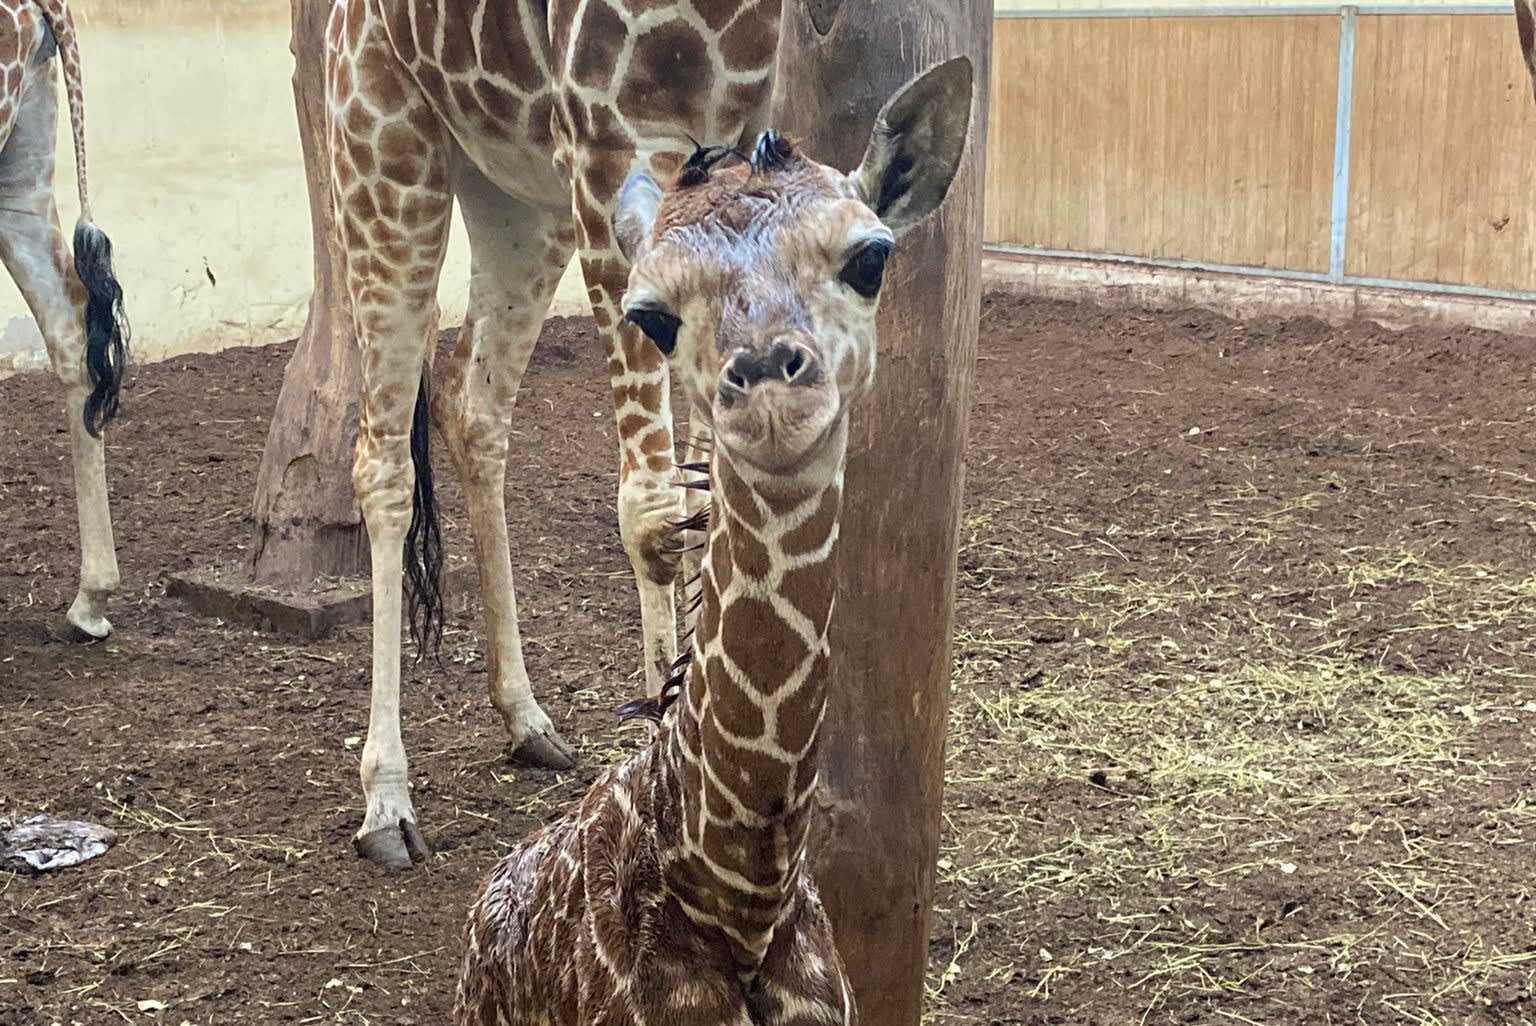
[(741, 100), (814, 531), (593, 224), (388, 199), (539, 129), (363, 162), (716, 576), (761, 643), (341, 80), (431, 80), (377, 80), (668, 78), (437, 176), (718, 807), (799, 712), (782, 501), (610, 273), (738, 497), (665, 165), (757, 780), (422, 207), (642, 6), (648, 395), (463, 95), (353, 233), (751, 40), (605, 173), (748, 555), (505, 50), (810, 589), (716, 13), (458, 52), (599, 41), (358, 122), (359, 204), (640, 353), (402, 157), (734, 709), (354, 29), (657, 440)]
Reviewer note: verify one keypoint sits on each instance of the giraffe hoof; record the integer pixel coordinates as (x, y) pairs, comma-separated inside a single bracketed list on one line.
[(546, 750), (62, 629), (395, 847)]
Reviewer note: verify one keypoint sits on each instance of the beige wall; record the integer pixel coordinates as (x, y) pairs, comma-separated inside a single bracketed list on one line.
[(195, 168), (1176, 138), (1003, 7), (1211, 140), (1444, 126)]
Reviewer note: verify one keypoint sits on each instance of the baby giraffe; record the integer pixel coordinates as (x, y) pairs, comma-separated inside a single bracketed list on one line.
[(676, 892)]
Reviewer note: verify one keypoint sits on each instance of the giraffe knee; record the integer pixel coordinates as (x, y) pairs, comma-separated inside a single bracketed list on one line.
[(648, 518)]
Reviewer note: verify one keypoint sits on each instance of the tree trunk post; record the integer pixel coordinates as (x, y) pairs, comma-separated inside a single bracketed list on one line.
[(883, 745), (307, 518)]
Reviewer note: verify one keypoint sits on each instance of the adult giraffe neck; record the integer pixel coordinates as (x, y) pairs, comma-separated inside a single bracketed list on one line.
[(740, 755)]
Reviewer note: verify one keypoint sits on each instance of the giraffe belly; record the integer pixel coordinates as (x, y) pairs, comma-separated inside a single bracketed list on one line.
[(520, 169)]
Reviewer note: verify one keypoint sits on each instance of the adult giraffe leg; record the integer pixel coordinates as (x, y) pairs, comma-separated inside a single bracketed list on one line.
[(33, 250), (393, 205), (518, 254), (650, 504)]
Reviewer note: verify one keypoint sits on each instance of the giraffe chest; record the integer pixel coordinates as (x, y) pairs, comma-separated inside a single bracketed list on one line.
[(484, 67)]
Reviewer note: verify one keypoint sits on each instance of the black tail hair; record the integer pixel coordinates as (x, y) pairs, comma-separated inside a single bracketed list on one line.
[(106, 325), (423, 539)]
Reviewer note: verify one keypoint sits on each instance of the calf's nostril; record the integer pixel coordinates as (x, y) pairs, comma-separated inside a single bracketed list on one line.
[(794, 365)]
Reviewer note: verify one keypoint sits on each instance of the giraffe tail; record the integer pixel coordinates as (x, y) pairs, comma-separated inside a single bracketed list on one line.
[(106, 325), (424, 539)]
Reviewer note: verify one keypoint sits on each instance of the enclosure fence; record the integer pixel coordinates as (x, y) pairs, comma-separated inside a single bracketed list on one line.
[(1372, 144)]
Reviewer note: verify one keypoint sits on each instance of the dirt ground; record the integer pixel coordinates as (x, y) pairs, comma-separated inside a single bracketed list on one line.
[(1243, 719)]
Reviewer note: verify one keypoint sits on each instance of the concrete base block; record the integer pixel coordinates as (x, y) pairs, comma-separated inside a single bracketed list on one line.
[(307, 613)]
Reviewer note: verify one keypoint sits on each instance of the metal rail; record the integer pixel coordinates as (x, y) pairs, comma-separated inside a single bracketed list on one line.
[(1256, 272), (1255, 10)]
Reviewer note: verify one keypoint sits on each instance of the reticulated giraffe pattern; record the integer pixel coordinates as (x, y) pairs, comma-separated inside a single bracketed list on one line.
[(73, 295), (677, 892), (529, 115)]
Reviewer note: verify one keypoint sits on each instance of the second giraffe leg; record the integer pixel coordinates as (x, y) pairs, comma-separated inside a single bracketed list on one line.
[(518, 255), (650, 503), (393, 206), (33, 249)]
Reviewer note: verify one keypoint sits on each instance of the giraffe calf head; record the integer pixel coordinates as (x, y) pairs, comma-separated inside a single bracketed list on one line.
[(759, 276)]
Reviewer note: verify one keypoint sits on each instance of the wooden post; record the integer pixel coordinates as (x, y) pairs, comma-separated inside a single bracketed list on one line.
[(883, 747), (307, 519)]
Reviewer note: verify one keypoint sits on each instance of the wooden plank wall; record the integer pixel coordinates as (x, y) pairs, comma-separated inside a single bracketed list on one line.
[(1443, 180), (1191, 138)]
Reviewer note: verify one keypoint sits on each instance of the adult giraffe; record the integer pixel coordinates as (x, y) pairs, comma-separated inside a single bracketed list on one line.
[(75, 298), (529, 114), (677, 891)]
